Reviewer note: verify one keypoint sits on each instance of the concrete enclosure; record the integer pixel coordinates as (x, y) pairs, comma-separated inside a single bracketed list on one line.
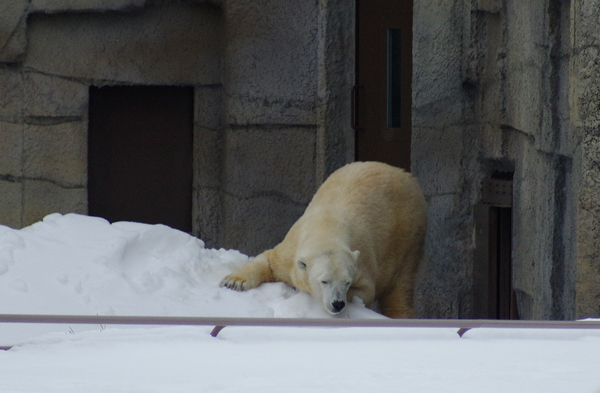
[(500, 89), (268, 122), (509, 87)]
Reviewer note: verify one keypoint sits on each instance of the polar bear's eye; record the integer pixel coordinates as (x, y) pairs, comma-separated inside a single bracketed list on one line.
[(301, 265), (324, 282)]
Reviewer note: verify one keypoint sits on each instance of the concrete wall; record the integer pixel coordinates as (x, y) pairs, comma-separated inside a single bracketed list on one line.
[(585, 117), (498, 88), (271, 78), (270, 120), (54, 52), (288, 74), (440, 138)]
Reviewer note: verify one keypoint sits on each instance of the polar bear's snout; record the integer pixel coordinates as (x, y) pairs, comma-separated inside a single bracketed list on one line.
[(334, 301), (338, 306)]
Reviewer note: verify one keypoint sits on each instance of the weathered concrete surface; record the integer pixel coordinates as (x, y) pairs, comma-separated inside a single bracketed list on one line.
[(11, 202), (11, 99), (588, 261), (440, 134), (336, 77), (509, 87), (271, 62), (272, 85), (40, 197), (70, 46), (56, 152), (136, 47), (208, 163), (288, 186), (586, 118), (50, 96), (11, 147), (54, 6), (12, 30)]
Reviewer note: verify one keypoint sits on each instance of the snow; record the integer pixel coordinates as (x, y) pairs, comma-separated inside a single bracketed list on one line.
[(72, 264)]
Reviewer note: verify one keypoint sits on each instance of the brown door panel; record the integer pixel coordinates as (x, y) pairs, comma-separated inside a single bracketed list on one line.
[(383, 77)]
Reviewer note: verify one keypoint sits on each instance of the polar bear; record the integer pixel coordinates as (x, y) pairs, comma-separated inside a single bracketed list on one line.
[(362, 235)]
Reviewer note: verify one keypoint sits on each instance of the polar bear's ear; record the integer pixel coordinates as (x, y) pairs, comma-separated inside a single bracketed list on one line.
[(355, 255), (301, 263)]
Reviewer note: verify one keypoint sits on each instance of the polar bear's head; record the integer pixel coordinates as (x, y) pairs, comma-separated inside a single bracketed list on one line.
[(328, 276)]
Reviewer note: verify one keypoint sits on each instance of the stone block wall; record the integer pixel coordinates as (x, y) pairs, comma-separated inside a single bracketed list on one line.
[(288, 73), (512, 100), (52, 52), (272, 83), (585, 98), (270, 88)]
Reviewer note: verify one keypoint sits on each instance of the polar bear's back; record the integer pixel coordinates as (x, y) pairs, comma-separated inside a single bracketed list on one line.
[(384, 213), (362, 190)]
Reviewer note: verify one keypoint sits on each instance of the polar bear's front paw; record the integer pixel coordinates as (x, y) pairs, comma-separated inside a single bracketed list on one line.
[(236, 282), (249, 276)]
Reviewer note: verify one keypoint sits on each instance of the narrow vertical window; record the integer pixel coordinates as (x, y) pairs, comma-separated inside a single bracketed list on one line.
[(393, 77)]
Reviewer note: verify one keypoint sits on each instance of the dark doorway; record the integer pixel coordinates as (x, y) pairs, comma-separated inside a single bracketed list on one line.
[(493, 294), (140, 154), (382, 94)]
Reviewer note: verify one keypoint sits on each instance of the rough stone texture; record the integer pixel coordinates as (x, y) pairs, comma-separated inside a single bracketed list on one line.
[(75, 44), (588, 255), (11, 149), (263, 152), (11, 190), (137, 47), (336, 51), (271, 62), (271, 79), (48, 96), (586, 118), (445, 163), (11, 99), (439, 138), (290, 185), (12, 30), (53, 6), (56, 153), (41, 198), (255, 224), (437, 39), (533, 209), (272, 100), (496, 89), (208, 164)]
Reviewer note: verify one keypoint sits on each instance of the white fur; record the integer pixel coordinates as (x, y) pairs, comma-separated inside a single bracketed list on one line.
[(364, 226)]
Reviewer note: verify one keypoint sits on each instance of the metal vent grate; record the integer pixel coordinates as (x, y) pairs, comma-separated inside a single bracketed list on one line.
[(496, 192)]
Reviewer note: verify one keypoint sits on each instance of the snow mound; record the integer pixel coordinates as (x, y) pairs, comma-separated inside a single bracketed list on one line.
[(75, 264)]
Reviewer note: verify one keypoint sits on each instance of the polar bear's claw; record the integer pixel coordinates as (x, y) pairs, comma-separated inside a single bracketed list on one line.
[(237, 284)]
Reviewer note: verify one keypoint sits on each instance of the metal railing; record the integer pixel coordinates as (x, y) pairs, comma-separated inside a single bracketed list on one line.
[(463, 325)]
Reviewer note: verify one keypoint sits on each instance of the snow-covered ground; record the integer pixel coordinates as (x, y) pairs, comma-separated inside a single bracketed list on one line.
[(75, 264)]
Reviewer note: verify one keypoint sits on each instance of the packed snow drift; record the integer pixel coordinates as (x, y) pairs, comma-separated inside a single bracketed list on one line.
[(74, 264)]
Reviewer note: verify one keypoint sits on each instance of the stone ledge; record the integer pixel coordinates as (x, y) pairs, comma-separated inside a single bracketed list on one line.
[(9, 178), (12, 30)]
